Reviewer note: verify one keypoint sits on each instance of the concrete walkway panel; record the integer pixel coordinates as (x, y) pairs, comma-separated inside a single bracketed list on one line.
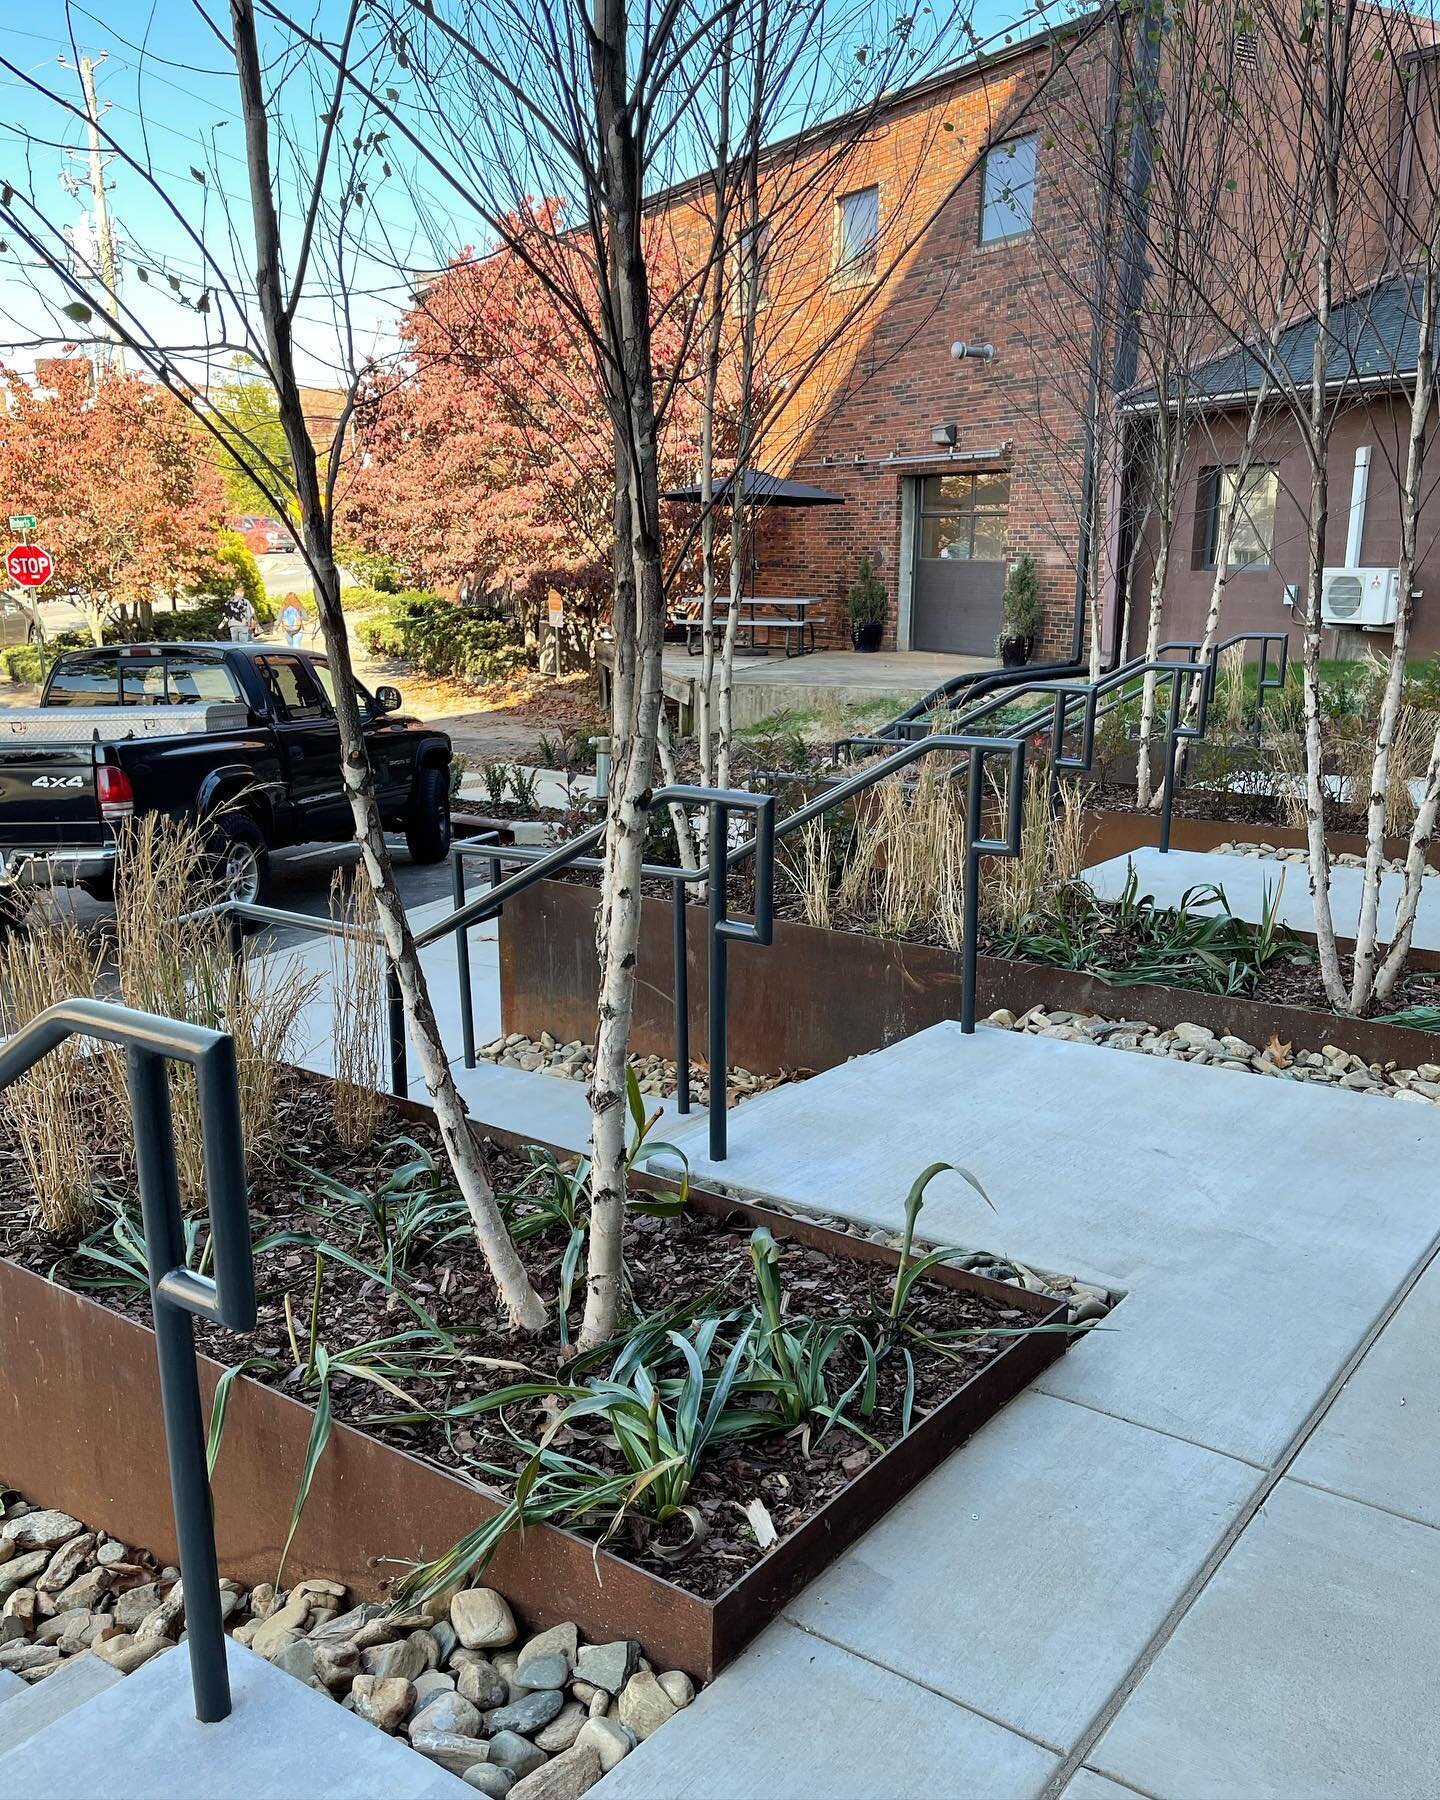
[(1305, 1667), (797, 1718), (1025, 1576), (1247, 879), (1380, 1441)]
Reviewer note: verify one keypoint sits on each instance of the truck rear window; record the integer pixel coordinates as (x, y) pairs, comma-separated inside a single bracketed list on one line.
[(140, 681)]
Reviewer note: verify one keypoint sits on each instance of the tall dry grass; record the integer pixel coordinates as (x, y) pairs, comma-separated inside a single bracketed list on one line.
[(174, 958), (357, 969), (1052, 851), (52, 1106), (902, 872)]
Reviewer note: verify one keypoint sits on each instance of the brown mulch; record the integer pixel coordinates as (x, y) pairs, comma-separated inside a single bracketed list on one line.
[(667, 1260)]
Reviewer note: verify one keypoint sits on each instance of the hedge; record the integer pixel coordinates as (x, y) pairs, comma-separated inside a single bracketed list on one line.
[(437, 637)]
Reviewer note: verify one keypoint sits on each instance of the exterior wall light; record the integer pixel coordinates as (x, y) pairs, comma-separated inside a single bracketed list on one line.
[(944, 434), (960, 350)]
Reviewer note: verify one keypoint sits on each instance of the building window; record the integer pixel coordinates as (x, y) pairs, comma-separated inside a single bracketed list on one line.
[(752, 258), (1007, 190), (962, 517), (857, 236), (1252, 536)]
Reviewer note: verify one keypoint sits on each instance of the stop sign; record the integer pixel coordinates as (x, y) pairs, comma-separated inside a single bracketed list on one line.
[(29, 565)]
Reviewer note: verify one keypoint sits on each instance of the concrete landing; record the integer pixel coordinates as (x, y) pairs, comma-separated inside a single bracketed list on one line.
[(139, 1740), (1198, 1557), (1247, 880), (767, 685)]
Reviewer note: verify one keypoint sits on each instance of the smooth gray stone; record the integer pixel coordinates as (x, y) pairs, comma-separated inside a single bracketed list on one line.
[(526, 1714)]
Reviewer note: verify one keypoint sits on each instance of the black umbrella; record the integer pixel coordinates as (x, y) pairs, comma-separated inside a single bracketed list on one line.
[(757, 489)]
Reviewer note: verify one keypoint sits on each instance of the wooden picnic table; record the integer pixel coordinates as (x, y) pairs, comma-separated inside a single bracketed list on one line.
[(782, 615)]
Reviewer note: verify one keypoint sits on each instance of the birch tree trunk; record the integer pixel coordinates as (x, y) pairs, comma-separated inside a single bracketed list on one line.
[(1366, 984), (639, 618), (524, 1306)]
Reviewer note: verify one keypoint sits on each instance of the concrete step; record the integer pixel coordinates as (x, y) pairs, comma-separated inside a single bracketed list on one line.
[(282, 1739), (25, 1714)]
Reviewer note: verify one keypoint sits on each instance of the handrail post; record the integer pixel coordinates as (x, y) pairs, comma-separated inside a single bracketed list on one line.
[(462, 961), (395, 1031), (718, 998), (682, 997), (970, 929), (1167, 802), (148, 1082)]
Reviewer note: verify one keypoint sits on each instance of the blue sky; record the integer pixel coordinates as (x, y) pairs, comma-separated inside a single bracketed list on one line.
[(170, 89)]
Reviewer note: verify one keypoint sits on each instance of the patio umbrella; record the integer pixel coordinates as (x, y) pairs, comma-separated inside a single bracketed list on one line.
[(758, 489)]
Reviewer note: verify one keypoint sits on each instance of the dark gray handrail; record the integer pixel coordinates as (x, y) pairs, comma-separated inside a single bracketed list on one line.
[(176, 1291)]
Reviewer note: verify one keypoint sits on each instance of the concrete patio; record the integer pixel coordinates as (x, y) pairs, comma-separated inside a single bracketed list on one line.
[(766, 685)]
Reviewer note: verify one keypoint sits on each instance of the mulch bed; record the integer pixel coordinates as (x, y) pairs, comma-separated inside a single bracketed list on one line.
[(668, 1260)]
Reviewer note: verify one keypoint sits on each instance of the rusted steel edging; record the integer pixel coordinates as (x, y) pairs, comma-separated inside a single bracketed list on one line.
[(80, 1426), (818, 997)]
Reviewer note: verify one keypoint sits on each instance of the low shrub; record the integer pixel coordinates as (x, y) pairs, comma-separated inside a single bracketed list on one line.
[(436, 637), (234, 567)]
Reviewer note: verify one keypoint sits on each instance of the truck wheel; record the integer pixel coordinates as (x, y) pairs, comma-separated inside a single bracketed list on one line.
[(427, 824), (242, 859)]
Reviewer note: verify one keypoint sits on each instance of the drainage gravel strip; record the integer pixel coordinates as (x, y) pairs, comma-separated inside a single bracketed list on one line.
[(1328, 1067)]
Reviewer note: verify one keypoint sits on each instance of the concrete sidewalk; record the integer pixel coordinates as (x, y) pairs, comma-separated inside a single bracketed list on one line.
[(1202, 1556), (1247, 881)]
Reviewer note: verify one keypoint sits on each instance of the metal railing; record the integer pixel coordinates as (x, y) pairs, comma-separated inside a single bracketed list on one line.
[(722, 930), (176, 1292)]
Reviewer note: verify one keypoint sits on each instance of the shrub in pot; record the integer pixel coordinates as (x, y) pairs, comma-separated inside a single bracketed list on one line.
[(868, 606), (1020, 615)]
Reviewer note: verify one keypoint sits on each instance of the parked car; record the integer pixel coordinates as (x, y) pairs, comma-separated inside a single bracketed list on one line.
[(263, 535), (17, 621), (239, 738)]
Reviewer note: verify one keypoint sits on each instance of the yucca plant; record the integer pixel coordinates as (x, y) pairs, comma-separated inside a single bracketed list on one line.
[(791, 1357), (413, 1207), (660, 1427)]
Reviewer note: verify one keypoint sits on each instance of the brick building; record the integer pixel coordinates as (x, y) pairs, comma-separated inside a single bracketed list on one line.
[(949, 219)]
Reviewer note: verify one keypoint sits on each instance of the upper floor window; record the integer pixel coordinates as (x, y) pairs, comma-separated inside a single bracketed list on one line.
[(751, 258), (857, 235), (1007, 192), (1252, 535)]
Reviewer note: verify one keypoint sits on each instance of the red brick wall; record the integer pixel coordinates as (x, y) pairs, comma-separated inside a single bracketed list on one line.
[(861, 409)]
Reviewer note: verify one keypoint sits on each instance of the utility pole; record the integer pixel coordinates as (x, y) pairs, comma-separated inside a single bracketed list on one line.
[(107, 263)]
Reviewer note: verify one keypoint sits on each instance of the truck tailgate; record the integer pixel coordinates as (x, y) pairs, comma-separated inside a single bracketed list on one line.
[(47, 796)]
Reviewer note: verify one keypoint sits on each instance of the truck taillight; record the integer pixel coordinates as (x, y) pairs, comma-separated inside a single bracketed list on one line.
[(114, 792)]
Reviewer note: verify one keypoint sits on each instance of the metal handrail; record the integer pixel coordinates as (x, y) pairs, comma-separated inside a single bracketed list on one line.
[(722, 930), (176, 1291)]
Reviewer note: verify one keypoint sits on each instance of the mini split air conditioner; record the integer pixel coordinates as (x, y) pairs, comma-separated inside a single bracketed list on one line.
[(1360, 597)]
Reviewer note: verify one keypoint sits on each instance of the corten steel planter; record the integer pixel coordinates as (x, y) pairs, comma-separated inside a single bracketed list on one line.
[(816, 998), (80, 1429), (1112, 833)]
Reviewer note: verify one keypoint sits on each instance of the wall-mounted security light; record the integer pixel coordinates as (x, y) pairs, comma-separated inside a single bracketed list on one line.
[(963, 351), (944, 434)]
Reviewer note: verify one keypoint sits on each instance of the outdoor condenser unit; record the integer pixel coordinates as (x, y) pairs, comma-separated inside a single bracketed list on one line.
[(1360, 597)]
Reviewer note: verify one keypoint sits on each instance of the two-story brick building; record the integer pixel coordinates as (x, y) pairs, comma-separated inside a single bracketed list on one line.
[(948, 221)]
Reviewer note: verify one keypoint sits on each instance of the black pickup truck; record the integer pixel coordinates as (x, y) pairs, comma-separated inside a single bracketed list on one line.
[(240, 738)]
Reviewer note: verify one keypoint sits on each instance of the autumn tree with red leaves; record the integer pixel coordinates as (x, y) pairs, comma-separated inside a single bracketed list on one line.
[(487, 450), (125, 498)]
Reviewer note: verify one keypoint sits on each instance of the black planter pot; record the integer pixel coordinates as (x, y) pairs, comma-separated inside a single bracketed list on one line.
[(868, 635), (1015, 652)]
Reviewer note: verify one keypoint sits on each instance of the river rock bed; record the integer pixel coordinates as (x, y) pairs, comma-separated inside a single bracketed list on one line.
[(1344, 859), (1329, 1066), (575, 1061), (536, 1716)]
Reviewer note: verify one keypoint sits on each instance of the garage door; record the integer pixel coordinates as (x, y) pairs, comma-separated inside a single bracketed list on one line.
[(960, 562)]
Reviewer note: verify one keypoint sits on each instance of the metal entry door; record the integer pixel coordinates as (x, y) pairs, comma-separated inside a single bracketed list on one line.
[(960, 562)]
